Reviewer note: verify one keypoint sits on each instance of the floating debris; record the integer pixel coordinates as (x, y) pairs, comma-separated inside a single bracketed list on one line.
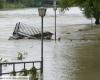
[(3, 61), (20, 56), (22, 31)]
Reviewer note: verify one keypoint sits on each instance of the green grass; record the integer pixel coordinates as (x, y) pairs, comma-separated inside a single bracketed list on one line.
[(12, 6)]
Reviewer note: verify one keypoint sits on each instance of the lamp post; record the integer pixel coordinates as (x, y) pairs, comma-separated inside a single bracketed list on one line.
[(55, 8), (42, 12)]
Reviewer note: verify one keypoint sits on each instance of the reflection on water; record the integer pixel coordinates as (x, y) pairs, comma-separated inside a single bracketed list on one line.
[(76, 60), (87, 57), (64, 60)]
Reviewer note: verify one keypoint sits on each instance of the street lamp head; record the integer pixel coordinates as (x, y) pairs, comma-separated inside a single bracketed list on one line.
[(42, 11), (55, 8)]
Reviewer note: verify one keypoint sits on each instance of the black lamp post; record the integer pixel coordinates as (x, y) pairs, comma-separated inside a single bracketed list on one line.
[(55, 8), (42, 13)]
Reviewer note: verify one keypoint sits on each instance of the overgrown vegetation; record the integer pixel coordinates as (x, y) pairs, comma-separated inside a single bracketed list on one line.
[(91, 8), (3, 61), (1, 4), (12, 4), (24, 72)]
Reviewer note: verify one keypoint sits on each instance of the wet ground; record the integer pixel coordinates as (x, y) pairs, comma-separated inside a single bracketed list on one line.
[(74, 57)]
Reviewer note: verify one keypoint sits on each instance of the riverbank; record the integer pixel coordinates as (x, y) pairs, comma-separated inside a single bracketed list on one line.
[(87, 33), (13, 4), (9, 6)]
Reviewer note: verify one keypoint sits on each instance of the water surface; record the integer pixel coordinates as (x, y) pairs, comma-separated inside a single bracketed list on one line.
[(63, 60)]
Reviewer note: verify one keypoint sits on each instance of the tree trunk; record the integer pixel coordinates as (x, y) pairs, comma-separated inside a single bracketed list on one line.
[(97, 21)]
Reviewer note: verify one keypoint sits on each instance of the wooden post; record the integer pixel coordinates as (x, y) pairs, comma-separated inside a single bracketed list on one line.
[(14, 73), (0, 69)]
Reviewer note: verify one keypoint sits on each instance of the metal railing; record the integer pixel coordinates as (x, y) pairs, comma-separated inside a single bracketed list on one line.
[(14, 65)]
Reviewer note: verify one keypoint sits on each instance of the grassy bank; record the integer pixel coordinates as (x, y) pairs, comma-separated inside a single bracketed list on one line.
[(92, 33), (12, 6), (87, 33)]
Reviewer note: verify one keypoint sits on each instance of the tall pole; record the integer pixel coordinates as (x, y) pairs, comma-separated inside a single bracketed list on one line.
[(42, 12), (42, 48), (55, 25), (55, 8)]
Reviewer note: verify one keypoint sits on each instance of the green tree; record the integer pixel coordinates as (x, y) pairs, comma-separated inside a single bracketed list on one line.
[(27, 3), (91, 8), (1, 4)]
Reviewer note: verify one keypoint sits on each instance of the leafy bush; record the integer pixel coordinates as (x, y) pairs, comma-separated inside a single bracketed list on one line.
[(1, 4)]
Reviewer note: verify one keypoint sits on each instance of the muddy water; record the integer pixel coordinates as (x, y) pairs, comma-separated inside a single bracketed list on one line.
[(63, 60)]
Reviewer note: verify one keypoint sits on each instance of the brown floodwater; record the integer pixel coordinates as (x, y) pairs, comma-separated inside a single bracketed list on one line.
[(63, 60)]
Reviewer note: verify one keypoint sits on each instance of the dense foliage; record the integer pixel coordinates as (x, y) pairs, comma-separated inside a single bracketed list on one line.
[(19, 3), (1, 5), (91, 8)]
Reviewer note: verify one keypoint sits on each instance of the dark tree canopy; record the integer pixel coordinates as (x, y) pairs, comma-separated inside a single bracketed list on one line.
[(91, 8), (19, 3), (27, 3)]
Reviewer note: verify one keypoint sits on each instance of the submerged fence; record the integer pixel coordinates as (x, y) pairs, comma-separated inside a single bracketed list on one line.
[(15, 64)]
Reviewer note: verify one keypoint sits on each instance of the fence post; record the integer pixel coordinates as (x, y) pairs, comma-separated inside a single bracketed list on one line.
[(25, 69), (14, 73), (0, 69), (24, 66)]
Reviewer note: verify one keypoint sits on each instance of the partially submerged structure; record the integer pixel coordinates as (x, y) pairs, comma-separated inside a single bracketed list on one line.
[(22, 31)]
